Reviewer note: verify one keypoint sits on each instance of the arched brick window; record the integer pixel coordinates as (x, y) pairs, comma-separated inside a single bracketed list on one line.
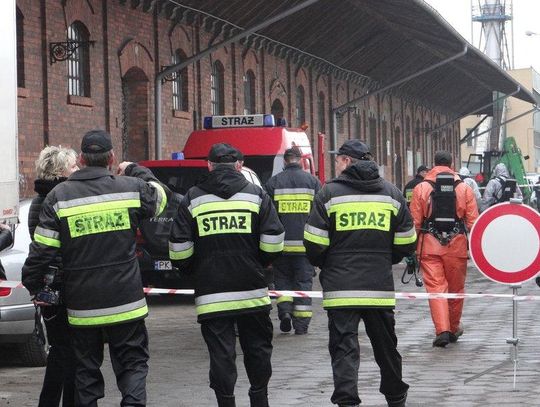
[(79, 61), (249, 92), (180, 83), (217, 93), (300, 106), (20, 49)]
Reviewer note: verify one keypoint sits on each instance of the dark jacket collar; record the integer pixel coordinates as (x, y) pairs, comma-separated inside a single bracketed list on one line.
[(362, 176), (44, 186), (90, 173), (292, 166), (224, 182)]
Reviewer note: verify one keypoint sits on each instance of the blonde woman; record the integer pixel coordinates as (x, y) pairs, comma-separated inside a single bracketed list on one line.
[(54, 165)]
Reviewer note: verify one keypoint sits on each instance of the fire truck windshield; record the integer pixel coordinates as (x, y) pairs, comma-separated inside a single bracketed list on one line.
[(179, 179), (263, 165)]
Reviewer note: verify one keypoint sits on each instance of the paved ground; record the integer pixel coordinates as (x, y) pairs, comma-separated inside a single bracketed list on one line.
[(302, 375)]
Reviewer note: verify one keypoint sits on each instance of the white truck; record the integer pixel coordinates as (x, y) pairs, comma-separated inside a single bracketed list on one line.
[(9, 178), (16, 308)]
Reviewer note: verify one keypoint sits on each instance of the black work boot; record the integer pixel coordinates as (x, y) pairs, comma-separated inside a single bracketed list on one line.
[(286, 323), (258, 398), (442, 339), (225, 401), (397, 401)]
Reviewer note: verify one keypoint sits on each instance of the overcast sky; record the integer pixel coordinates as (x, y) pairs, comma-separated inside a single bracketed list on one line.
[(526, 18)]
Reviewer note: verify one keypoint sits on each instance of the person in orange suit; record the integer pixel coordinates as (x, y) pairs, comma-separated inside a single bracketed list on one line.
[(443, 255)]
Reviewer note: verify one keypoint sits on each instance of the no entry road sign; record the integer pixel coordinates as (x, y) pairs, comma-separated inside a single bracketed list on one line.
[(505, 243)]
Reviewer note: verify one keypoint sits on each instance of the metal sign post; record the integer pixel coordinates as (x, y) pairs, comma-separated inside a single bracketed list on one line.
[(514, 341), (507, 228)]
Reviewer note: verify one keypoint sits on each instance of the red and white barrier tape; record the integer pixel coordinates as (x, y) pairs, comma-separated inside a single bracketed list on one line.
[(318, 294)]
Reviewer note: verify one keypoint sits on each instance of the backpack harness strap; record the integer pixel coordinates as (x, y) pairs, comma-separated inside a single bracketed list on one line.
[(443, 226)]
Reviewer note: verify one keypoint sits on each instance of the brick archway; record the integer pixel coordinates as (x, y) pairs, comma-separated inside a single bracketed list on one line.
[(135, 134), (135, 54), (277, 109)]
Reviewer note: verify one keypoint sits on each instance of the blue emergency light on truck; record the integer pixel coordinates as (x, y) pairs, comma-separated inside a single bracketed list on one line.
[(260, 137)]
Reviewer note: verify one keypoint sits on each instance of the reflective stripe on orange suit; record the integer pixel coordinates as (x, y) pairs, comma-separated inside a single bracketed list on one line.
[(444, 267)]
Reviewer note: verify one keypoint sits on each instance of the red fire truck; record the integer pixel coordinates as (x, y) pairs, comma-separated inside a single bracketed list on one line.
[(260, 138)]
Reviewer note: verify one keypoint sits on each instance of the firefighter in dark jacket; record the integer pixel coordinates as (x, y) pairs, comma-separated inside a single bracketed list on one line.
[(421, 172), (359, 226), (226, 232), (292, 192), (91, 221)]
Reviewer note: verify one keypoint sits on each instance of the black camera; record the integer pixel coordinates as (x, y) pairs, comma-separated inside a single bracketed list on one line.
[(48, 296)]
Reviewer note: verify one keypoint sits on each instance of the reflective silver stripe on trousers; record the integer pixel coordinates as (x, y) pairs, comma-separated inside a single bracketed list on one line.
[(107, 311), (180, 247), (47, 233), (120, 196), (272, 239), (358, 294), (302, 307), (231, 296), (408, 233), (209, 198), (362, 198), (316, 231), (286, 191), (294, 242), (445, 220)]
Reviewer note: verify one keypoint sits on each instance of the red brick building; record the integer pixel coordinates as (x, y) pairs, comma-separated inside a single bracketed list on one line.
[(109, 83)]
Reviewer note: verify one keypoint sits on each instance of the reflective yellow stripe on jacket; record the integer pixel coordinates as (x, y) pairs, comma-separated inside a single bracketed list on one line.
[(316, 235), (403, 238), (108, 316), (354, 298), (161, 197), (47, 237), (271, 243), (210, 203), (180, 251), (232, 301), (97, 203)]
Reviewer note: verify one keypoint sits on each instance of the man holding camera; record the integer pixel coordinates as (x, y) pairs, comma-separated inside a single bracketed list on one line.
[(91, 220)]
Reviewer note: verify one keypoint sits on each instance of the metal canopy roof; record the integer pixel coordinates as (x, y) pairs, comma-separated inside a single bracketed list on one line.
[(377, 42)]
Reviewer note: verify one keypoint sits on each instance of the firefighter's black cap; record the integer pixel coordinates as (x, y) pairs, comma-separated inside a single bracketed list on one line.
[(421, 168), (224, 153), (292, 152), (356, 149), (96, 141)]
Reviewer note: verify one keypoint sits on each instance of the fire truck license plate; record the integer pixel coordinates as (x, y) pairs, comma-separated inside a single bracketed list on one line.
[(162, 265)]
